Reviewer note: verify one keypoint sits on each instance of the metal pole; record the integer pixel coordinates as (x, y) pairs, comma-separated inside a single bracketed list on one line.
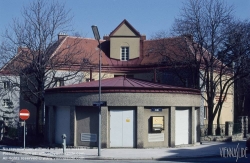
[(97, 37), (24, 135), (100, 116)]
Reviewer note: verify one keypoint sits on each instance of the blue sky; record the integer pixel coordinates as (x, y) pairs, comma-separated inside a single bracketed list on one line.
[(147, 16)]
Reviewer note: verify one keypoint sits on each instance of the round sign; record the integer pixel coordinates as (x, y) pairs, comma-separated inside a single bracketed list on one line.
[(24, 114)]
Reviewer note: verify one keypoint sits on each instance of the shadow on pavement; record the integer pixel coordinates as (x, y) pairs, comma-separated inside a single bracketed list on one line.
[(208, 150)]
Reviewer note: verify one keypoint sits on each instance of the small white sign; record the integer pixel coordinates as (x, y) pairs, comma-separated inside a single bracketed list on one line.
[(89, 137)]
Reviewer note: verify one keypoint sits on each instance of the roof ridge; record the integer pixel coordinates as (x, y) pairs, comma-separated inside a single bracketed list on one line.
[(84, 38), (167, 38)]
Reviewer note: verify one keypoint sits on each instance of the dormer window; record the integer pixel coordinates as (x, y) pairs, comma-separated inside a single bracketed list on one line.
[(124, 53)]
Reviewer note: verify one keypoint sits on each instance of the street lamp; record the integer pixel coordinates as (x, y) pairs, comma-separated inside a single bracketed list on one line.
[(97, 37)]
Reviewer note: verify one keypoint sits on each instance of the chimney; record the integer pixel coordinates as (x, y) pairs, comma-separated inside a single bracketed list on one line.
[(21, 49), (61, 35), (106, 37), (188, 36), (143, 37)]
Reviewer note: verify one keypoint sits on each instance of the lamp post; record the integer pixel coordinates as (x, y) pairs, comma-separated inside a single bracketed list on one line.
[(97, 37)]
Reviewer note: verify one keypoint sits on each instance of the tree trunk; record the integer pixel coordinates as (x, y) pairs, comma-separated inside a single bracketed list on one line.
[(210, 124), (39, 121), (218, 122)]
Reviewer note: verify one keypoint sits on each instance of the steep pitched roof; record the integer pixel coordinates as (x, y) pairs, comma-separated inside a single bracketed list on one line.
[(128, 25), (25, 58), (123, 84), (18, 61)]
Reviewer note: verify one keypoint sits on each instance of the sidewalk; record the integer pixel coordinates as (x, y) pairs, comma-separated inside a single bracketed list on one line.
[(206, 149)]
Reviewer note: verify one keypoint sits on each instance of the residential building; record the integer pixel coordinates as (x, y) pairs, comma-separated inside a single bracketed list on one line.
[(136, 82)]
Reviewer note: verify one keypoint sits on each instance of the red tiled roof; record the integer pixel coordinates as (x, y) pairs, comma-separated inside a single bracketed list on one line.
[(88, 48), (152, 53), (123, 84)]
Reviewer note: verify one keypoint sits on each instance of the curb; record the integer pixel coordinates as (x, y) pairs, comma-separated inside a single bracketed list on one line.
[(114, 158)]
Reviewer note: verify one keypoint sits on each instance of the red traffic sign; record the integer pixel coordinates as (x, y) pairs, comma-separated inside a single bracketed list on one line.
[(24, 114)]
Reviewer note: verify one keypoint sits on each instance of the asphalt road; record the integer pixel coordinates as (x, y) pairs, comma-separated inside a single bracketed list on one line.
[(17, 158)]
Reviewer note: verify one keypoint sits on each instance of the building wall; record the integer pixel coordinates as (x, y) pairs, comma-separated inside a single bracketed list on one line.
[(148, 136), (124, 36), (227, 110), (104, 75), (87, 122), (79, 77), (124, 31), (87, 116), (131, 42), (124, 99), (11, 93)]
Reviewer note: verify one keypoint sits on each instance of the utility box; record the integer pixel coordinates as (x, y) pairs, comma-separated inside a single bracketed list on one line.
[(157, 123)]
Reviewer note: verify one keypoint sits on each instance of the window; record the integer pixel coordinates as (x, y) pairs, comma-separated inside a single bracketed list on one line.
[(85, 60), (88, 80), (6, 84), (7, 103), (124, 53), (59, 82), (205, 112)]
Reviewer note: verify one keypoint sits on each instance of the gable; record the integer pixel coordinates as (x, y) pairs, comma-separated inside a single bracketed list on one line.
[(124, 42), (124, 30)]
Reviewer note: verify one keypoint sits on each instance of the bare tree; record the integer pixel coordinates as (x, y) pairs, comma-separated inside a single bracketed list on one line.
[(203, 31), (210, 23), (39, 58), (238, 45)]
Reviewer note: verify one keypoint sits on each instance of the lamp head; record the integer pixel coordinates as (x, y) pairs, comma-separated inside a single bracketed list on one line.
[(95, 32)]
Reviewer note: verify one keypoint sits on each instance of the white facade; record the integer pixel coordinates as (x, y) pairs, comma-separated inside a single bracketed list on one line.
[(9, 100)]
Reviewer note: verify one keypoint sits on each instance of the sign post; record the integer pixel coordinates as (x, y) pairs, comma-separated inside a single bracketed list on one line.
[(24, 114), (24, 132)]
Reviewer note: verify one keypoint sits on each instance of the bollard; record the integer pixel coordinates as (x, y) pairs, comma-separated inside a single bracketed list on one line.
[(64, 142)]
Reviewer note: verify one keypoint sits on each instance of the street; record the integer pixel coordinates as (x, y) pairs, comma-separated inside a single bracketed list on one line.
[(18, 158)]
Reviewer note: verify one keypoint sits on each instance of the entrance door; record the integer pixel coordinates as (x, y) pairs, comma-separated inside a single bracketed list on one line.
[(181, 126), (62, 124), (122, 128)]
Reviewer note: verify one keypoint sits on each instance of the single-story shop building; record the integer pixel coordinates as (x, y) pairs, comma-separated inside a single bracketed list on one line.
[(138, 114)]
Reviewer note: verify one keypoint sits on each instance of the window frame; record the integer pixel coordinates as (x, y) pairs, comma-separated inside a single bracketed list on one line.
[(6, 84), (7, 103), (124, 56), (205, 112), (59, 81)]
